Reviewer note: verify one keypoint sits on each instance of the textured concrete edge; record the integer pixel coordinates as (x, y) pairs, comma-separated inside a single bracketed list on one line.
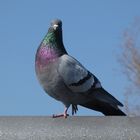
[(78, 127)]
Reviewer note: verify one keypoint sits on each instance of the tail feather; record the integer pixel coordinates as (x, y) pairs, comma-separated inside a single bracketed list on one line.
[(104, 102), (102, 95), (105, 108)]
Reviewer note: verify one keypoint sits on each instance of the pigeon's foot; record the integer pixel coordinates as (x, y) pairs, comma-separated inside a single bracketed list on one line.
[(60, 115), (65, 115)]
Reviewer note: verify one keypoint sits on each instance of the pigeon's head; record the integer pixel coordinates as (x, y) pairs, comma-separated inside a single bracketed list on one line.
[(56, 24), (54, 36)]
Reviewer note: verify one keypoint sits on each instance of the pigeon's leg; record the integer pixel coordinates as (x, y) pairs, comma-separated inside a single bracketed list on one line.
[(62, 115), (74, 109)]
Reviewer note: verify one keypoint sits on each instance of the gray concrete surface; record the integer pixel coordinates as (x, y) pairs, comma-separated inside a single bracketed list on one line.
[(72, 128)]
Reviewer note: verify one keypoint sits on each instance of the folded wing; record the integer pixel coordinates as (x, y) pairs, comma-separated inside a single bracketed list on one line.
[(76, 77)]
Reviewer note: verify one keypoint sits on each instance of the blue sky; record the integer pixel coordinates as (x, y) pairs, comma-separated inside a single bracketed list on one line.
[(92, 33)]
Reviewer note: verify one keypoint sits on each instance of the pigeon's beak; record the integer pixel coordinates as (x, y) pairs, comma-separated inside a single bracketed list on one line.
[(55, 26)]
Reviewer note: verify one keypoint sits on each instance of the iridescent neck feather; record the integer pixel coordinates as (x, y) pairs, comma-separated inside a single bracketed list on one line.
[(54, 39)]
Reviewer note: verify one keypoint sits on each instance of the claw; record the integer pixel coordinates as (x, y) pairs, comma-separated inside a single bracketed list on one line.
[(74, 109)]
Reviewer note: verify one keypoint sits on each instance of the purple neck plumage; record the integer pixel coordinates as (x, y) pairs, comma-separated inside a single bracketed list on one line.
[(46, 55), (51, 48)]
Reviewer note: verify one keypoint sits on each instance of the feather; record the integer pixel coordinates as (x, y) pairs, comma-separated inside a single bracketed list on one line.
[(75, 76), (104, 102)]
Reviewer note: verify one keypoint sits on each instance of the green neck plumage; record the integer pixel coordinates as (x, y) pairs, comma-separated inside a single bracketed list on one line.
[(50, 38), (54, 39)]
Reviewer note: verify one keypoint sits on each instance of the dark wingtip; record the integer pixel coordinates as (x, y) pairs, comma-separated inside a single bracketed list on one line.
[(120, 104)]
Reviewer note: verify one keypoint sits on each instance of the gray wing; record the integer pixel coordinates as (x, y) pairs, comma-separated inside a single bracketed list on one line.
[(79, 80), (75, 76)]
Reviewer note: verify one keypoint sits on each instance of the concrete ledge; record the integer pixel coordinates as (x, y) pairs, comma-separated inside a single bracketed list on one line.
[(72, 128)]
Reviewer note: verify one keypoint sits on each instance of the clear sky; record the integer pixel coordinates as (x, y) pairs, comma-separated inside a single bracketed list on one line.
[(92, 33)]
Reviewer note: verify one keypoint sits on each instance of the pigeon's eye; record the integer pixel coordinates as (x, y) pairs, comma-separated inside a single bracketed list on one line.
[(55, 26)]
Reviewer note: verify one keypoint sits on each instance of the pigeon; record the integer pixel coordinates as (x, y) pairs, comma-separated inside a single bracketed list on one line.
[(67, 80)]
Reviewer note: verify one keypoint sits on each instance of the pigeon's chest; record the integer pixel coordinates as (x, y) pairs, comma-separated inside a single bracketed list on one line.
[(45, 56), (51, 81), (46, 64)]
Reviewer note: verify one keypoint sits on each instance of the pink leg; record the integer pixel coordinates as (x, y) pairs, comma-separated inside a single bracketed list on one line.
[(62, 115)]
